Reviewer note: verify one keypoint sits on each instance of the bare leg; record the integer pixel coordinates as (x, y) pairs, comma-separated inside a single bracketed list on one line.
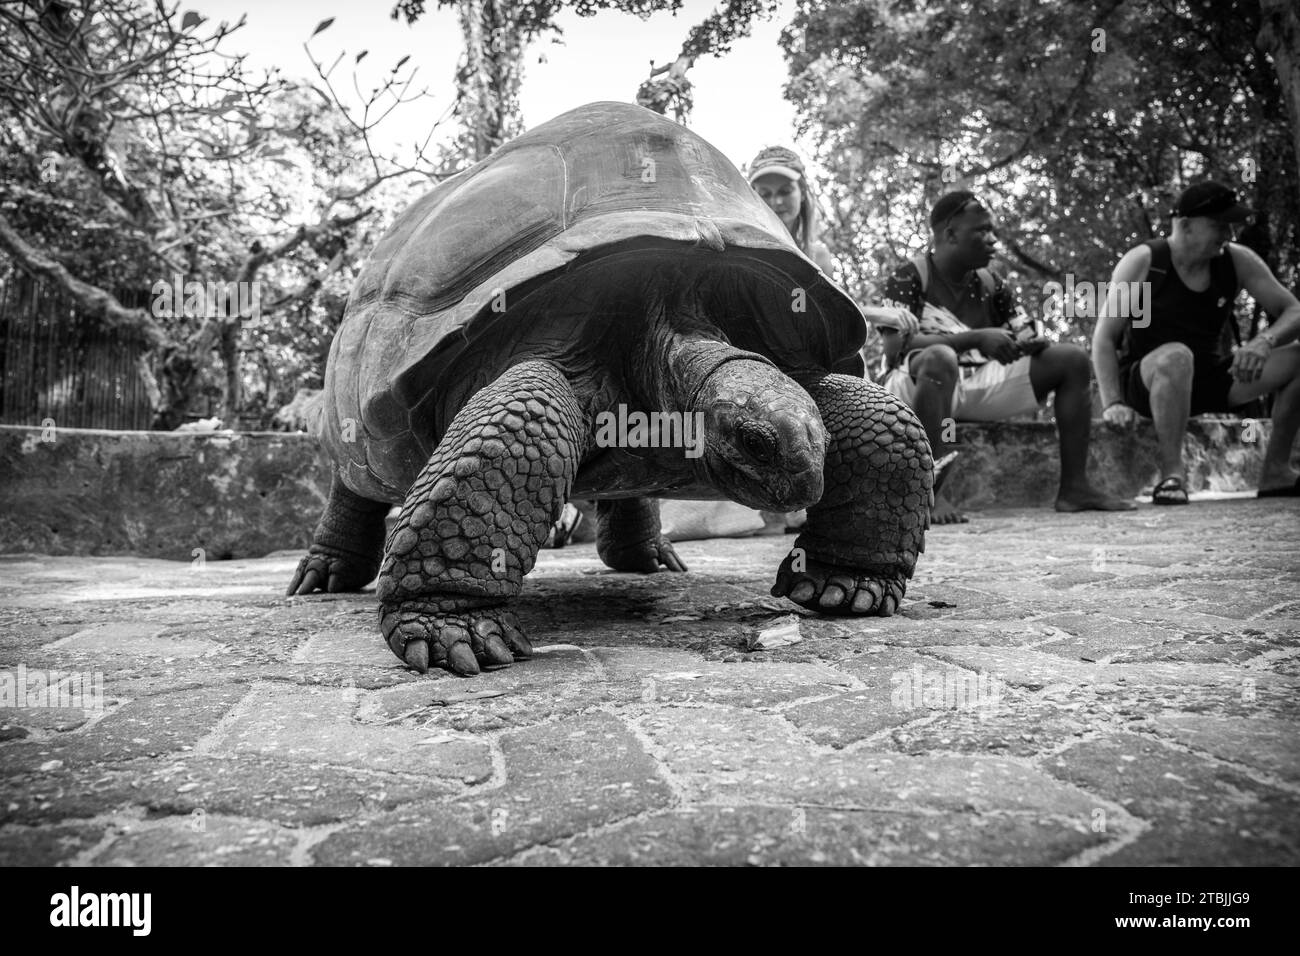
[(1066, 370), (1281, 373), (1167, 374), (936, 370)]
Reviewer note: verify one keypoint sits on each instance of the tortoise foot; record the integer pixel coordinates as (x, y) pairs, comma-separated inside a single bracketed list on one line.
[(323, 569), (463, 642), (645, 557), (629, 537), (831, 589)]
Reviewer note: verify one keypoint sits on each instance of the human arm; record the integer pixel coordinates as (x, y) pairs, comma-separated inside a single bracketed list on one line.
[(1281, 306), (892, 318), (820, 254), (1107, 334)]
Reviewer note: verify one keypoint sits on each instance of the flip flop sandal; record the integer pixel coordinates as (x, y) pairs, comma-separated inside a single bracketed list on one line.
[(1292, 492), (1170, 491)]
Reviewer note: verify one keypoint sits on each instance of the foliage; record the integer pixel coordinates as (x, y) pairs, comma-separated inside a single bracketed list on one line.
[(136, 149), (1079, 121)]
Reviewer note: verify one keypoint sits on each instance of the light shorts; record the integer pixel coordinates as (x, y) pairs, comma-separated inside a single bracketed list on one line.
[(992, 392)]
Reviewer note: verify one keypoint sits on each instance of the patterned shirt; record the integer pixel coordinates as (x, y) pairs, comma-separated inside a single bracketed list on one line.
[(976, 309)]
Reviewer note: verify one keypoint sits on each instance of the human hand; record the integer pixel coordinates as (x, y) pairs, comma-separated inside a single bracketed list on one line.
[(1119, 415), (894, 318), (1033, 346), (1249, 360), (997, 344)]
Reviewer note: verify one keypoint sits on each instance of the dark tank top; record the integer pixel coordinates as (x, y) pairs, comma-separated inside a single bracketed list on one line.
[(1197, 319)]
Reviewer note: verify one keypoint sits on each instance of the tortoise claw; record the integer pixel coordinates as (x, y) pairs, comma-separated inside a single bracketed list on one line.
[(462, 661), (417, 655), (463, 642), (495, 650), (831, 589)]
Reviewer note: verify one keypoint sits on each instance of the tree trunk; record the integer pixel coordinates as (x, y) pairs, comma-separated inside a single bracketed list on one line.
[(489, 76), (1279, 36)]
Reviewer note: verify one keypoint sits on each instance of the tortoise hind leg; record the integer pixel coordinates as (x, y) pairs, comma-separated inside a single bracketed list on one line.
[(475, 519), (629, 536), (860, 543), (346, 546)]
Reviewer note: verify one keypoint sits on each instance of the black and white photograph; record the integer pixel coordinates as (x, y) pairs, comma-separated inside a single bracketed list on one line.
[(651, 433)]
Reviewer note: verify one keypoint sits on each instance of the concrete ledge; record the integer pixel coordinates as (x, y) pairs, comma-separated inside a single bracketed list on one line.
[(158, 494), (245, 494), (1017, 464)]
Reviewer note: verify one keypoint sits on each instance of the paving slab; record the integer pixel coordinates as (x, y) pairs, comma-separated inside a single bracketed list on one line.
[(1055, 690)]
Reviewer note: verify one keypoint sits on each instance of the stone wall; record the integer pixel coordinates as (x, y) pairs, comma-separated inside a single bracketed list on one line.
[(158, 494), (165, 494), (1018, 463)]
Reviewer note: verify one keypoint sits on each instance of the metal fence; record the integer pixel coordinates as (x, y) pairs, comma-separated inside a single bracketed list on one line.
[(57, 363)]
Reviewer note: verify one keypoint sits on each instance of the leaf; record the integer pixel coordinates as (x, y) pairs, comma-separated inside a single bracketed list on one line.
[(323, 25), (361, 56), (400, 62), (191, 19)]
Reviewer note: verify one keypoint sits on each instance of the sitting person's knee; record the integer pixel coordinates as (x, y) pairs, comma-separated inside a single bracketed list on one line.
[(1071, 358), (937, 363), (1174, 360)]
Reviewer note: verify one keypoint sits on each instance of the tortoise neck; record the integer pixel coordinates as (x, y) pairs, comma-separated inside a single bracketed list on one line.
[(682, 350), (676, 369)]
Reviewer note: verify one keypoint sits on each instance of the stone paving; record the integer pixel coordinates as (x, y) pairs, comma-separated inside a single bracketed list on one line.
[(1076, 690)]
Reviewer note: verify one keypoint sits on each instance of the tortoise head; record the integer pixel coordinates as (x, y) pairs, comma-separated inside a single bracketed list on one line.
[(764, 442)]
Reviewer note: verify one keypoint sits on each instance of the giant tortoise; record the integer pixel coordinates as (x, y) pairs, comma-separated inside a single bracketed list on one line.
[(606, 264)]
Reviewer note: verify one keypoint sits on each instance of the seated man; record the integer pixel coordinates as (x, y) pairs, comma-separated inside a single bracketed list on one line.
[(1168, 364), (965, 363)]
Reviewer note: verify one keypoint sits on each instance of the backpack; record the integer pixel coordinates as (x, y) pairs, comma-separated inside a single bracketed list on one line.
[(922, 263)]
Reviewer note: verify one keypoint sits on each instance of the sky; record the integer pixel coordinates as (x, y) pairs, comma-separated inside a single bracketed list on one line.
[(739, 107)]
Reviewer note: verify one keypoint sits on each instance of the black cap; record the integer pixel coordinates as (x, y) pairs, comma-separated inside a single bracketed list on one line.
[(948, 205), (1212, 200)]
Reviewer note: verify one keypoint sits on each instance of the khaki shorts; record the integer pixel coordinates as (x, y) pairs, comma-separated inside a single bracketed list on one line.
[(991, 392)]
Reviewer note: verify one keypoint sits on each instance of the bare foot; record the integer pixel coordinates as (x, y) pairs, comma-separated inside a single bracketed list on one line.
[(944, 512), (1282, 482), (1090, 499)]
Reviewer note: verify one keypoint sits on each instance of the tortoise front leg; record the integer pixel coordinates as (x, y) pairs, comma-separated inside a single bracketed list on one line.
[(862, 538), (475, 519)]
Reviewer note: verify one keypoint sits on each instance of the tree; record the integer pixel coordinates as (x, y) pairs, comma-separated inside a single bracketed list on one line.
[(497, 33), (168, 153), (1069, 116), (667, 85)]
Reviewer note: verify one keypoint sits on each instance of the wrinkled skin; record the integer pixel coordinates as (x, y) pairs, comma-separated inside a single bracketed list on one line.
[(474, 520)]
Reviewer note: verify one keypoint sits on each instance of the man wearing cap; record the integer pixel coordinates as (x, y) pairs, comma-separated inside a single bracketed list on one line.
[(964, 363), (1166, 364)]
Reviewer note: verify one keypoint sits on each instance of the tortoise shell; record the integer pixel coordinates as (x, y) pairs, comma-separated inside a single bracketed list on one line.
[(524, 252)]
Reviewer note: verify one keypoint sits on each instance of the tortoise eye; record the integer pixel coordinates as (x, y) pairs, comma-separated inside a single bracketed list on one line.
[(757, 440)]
